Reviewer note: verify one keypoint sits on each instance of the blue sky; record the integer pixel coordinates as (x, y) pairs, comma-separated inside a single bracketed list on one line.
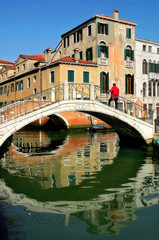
[(31, 26)]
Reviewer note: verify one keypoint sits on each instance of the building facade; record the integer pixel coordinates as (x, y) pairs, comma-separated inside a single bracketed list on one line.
[(147, 74)]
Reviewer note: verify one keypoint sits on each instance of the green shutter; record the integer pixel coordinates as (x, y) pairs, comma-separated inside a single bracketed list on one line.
[(101, 82), (107, 51), (125, 84), (129, 32), (86, 77), (146, 67), (87, 54), (91, 54), (98, 50), (107, 82), (125, 53), (132, 84), (132, 55), (70, 76), (78, 36), (98, 27), (106, 29)]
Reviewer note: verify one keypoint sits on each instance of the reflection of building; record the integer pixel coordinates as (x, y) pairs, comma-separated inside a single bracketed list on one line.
[(77, 159)]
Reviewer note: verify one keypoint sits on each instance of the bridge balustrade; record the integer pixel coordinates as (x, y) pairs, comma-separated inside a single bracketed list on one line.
[(68, 92)]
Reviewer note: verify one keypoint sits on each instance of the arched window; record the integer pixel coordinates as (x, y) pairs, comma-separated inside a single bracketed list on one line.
[(149, 90), (104, 82), (144, 89), (150, 66), (129, 53), (144, 67), (103, 50)]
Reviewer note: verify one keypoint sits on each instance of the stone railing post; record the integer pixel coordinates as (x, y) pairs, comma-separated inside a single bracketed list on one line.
[(92, 91), (66, 90), (53, 95)]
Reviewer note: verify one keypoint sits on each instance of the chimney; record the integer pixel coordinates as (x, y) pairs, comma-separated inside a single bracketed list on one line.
[(115, 14), (76, 55), (48, 55)]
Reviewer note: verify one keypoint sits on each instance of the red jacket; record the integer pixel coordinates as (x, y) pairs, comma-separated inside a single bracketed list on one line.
[(114, 92)]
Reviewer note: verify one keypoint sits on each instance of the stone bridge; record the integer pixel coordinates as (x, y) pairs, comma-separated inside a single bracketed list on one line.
[(83, 99)]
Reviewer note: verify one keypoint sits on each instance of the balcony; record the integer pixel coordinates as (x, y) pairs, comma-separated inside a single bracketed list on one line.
[(129, 64), (103, 61), (152, 75)]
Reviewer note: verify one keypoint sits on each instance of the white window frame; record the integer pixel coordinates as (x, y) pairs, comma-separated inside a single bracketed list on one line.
[(28, 83)]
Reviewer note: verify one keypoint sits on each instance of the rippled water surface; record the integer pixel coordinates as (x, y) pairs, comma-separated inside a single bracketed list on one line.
[(55, 185)]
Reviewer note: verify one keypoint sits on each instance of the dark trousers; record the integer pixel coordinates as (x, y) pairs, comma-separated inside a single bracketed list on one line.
[(115, 100)]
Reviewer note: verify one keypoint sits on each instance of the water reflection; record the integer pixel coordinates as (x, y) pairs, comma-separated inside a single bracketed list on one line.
[(80, 176)]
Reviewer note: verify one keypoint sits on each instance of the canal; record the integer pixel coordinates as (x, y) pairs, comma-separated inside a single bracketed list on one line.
[(79, 185)]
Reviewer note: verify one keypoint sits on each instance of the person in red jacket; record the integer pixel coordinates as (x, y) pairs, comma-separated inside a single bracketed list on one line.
[(114, 95)]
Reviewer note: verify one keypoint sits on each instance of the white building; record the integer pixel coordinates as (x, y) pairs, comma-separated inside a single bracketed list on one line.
[(147, 73)]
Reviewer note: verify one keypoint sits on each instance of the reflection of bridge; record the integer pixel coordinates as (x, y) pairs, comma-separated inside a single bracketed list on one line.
[(127, 122)]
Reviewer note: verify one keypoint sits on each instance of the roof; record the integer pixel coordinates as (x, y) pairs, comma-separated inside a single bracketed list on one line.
[(71, 60), (117, 20), (6, 62), (10, 67), (39, 57)]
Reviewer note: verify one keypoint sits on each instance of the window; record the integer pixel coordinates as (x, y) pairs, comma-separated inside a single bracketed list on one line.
[(5, 89), (34, 79), (144, 48), (74, 38), (129, 53), (89, 30), (149, 90), (79, 35), (1, 90), (149, 49), (68, 41), (17, 69), (34, 91), (28, 83), (150, 66), (157, 50), (12, 87), (21, 85), (89, 54), (80, 55), (23, 67), (5, 75), (144, 89), (103, 50), (52, 77), (128, 33), (16, 86), (104, 82), (70, 76), (85, 77), (1, 77), (144, 67), (129, 84), (103, 28)]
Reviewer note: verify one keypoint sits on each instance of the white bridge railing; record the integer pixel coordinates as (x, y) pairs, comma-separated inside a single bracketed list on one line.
[(69, 91)]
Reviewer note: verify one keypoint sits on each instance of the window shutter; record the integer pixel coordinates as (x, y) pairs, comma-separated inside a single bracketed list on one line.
[(101, 83), (106, 29), (91, 54), (70, 76), (132, 84), (87, 54), (81, 35), (107, 82), (129, 32), (132, 55), (107, 51), (126, 84), (146, 68), (86, 77), (98, 27), (125, 53), (99, 51)]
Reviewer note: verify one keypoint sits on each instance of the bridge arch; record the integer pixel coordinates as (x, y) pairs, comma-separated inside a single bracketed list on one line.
[(124, 124)]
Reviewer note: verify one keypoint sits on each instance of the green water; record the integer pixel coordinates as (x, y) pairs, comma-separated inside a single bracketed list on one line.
[(55, 185)]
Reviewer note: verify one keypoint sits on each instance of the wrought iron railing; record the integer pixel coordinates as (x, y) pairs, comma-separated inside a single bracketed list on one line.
[(70, 91)]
